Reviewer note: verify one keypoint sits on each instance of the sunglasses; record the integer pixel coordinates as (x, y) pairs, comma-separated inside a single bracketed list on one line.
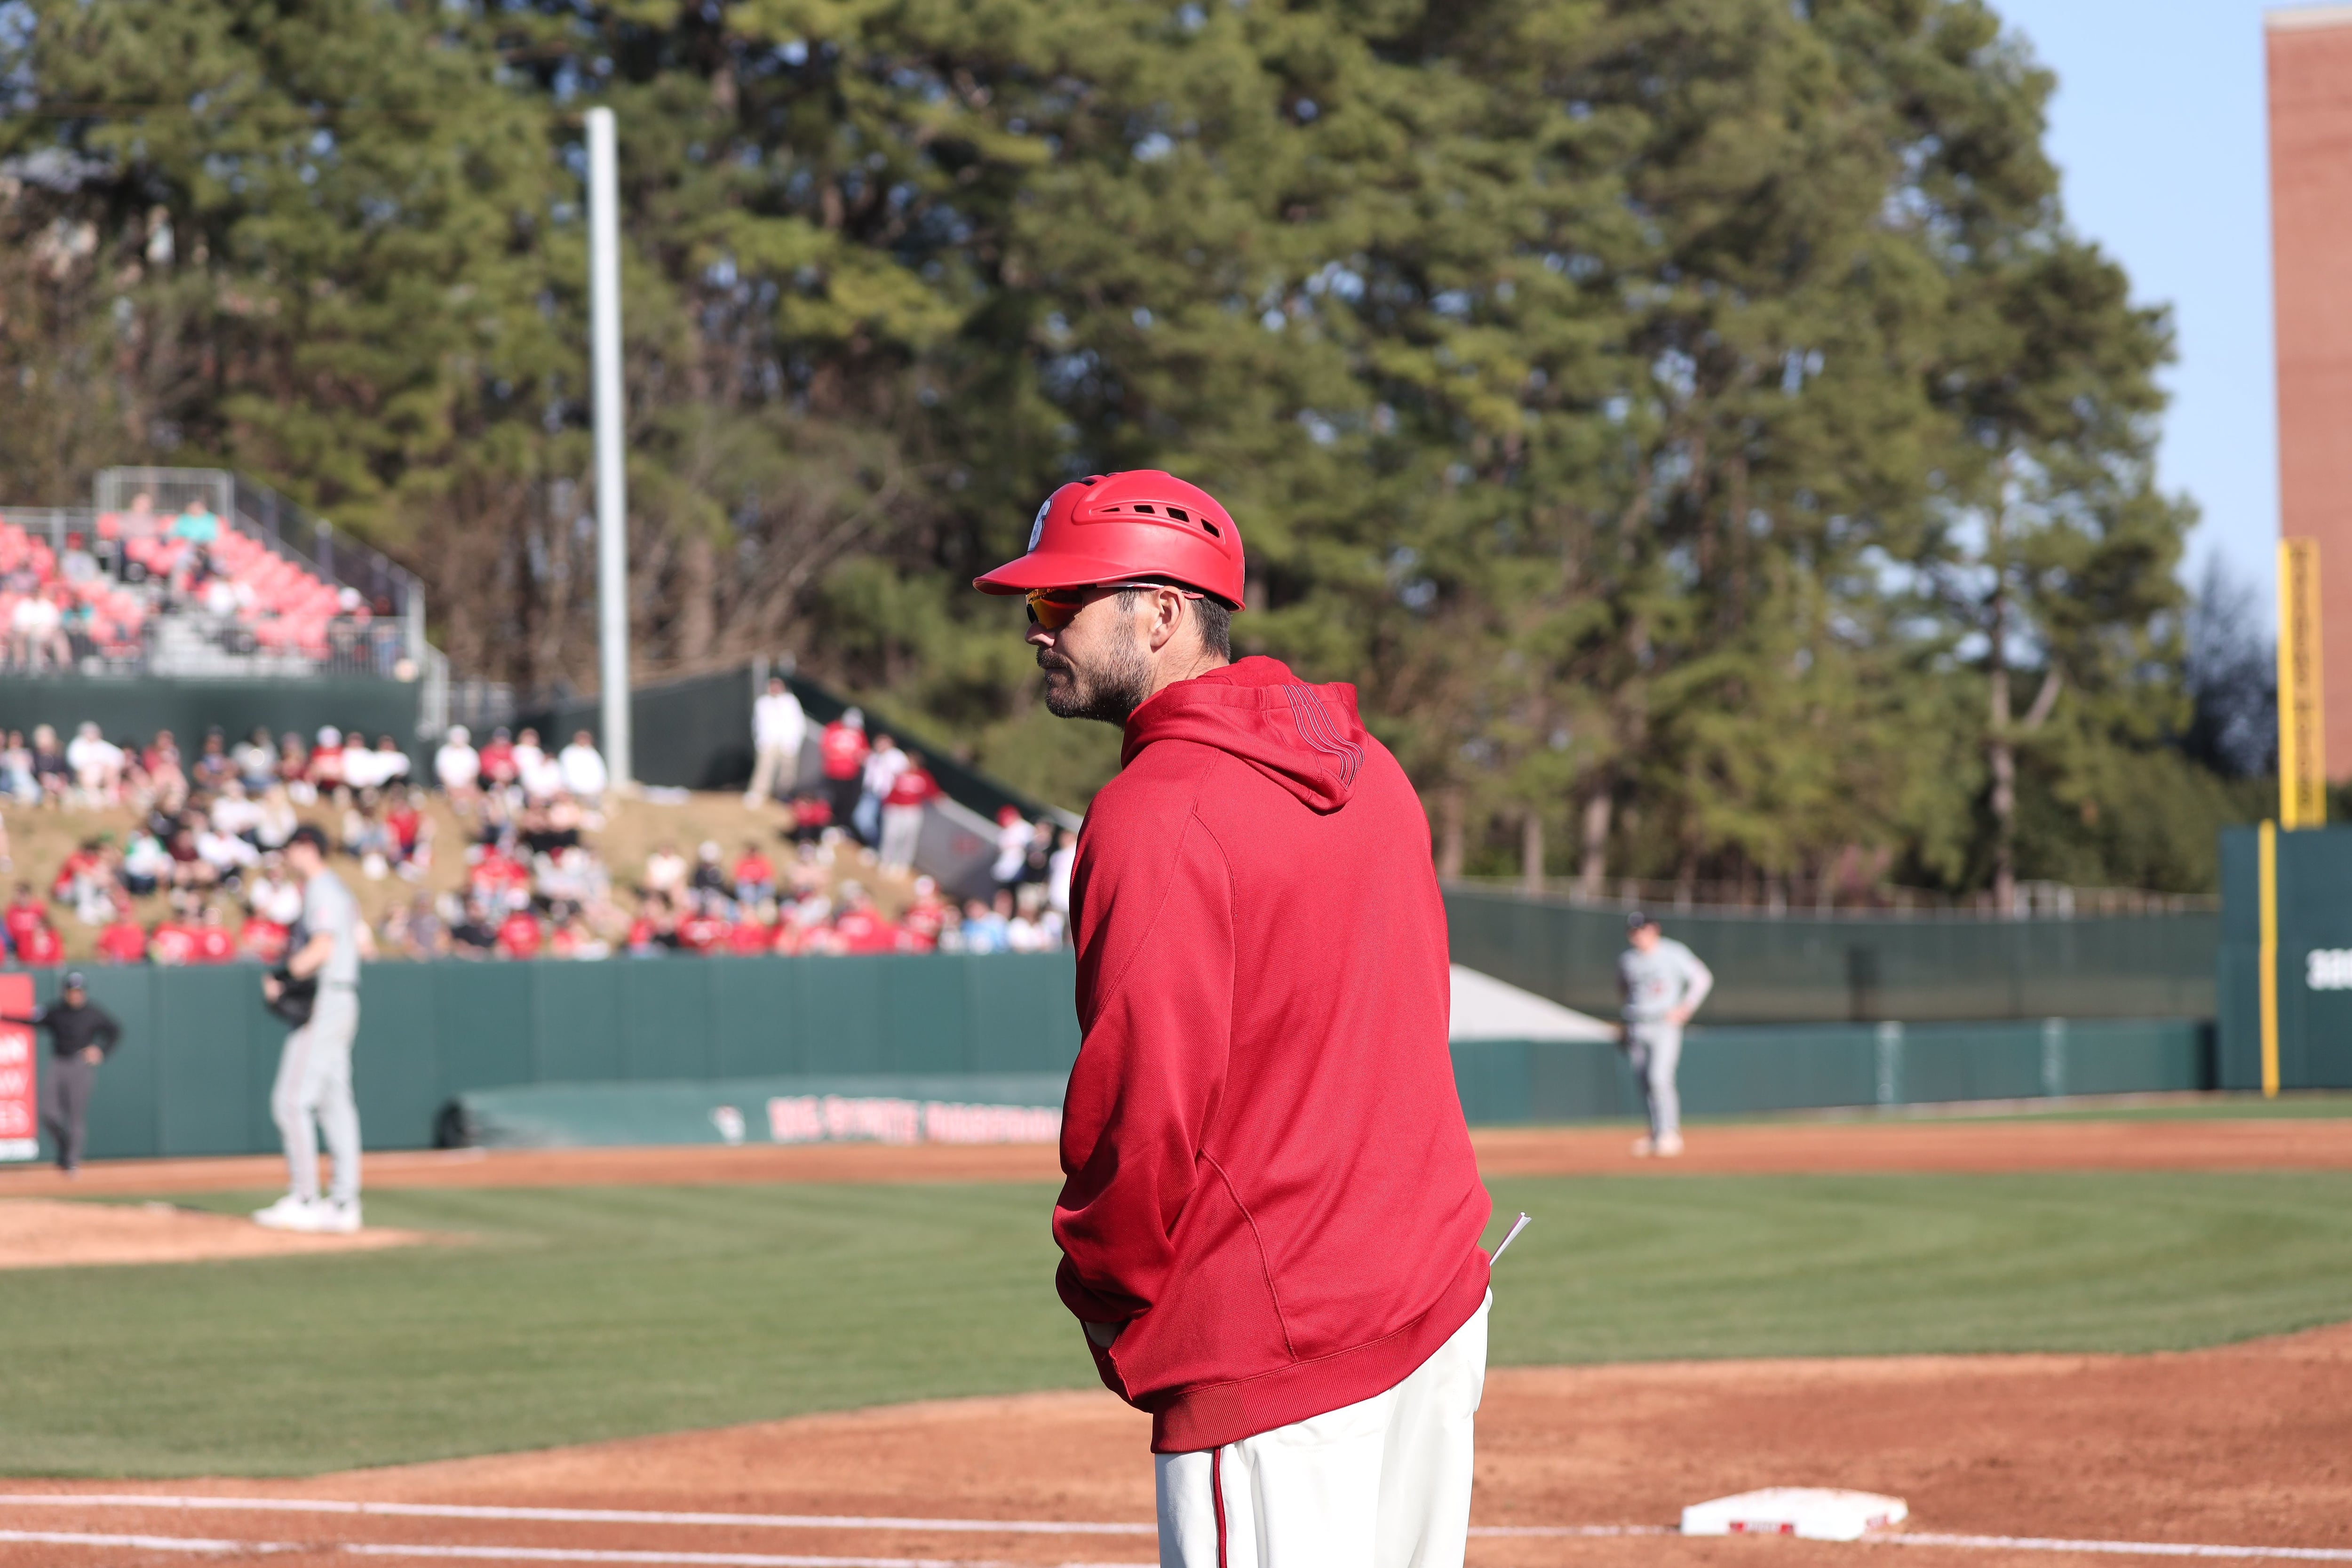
[(1053, 608)]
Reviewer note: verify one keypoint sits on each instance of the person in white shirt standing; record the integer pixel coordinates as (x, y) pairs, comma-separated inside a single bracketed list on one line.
[(314, 1071), (583, 768), (1662, 984), (882, 766), (779, 730)]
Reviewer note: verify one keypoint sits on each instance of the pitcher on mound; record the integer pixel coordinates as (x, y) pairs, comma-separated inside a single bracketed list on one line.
[(1269, 1226)]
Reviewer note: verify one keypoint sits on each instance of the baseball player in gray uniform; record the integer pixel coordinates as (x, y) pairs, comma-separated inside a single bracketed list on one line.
[(1661, 982), (314, 1072)]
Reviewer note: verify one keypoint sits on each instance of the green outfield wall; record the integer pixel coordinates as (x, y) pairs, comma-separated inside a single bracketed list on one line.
[(135, 707), (1859, 969), (2312, 906), (655, 1038)]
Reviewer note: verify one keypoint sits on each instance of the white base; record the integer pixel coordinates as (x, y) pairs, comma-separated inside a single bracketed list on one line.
[(1814, 1513), (20, 1148)]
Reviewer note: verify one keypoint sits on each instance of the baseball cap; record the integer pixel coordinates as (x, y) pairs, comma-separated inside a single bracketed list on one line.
[(309, 833), (1639, 918), (73, 981)]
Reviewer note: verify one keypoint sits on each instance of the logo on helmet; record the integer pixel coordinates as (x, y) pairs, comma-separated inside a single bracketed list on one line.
[(1037, 528)]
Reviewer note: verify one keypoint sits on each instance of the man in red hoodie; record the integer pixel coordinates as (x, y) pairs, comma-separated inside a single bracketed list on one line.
[(1270, 1224)]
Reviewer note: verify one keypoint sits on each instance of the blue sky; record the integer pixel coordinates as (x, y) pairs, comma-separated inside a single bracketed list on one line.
[(2159, 126)]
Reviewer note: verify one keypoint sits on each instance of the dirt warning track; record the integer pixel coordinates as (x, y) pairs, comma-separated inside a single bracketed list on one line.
[(1958, 1147), (2248, 1446)]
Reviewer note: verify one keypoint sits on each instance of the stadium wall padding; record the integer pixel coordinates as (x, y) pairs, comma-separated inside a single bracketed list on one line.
[(2315, 923), (1858, 969), (136, 707), (193, 1074)]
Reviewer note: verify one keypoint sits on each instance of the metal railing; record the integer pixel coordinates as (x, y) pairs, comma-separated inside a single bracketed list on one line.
[(2035, 900)]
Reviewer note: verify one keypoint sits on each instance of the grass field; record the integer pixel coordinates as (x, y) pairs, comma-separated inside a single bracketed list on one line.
[(575, 1314)]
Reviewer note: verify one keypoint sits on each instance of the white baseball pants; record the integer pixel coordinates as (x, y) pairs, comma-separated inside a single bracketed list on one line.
[(1384, 1483), (314, 1081), (1655, 1051)]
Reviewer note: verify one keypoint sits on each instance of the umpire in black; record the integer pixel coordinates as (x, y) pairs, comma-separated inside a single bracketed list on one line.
[(81, 1034)]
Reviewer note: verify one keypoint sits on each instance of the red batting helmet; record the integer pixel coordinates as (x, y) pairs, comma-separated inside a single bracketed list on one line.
[(1141, 525)]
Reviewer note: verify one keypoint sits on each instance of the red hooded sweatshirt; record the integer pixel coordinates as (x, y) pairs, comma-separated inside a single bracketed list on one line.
[(1270, 1184)]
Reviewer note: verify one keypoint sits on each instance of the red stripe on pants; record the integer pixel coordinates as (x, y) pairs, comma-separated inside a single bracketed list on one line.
[(1217, 1492)]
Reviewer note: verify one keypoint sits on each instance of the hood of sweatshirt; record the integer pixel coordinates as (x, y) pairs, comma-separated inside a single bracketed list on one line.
[(1306, 738)]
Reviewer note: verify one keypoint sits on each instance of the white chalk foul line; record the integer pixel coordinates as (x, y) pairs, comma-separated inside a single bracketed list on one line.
[(566, 1515), (2113, 1548), (480, 1553)]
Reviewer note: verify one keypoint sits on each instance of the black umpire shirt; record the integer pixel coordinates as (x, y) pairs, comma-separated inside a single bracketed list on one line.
[(74, 1029)]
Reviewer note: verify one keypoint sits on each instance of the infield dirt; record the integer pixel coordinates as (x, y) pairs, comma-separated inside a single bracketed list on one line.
[(2248, 1444)]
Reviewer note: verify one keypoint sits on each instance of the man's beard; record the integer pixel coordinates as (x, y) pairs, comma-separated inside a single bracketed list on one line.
[(1111, 691)]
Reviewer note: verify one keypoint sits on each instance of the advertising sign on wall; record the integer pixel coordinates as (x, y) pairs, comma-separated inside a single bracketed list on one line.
[(20, 1127)]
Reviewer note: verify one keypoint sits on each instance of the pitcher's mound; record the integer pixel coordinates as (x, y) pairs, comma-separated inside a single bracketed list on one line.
[(46, 1233)]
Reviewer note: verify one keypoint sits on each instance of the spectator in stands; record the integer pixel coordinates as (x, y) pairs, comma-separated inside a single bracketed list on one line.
[(122, 940), (710, 875), (371, 769), (705, 926), (257, 761), (987, 927), (228, 856), (141, 521), (24, 912), (411, 833), (173, 940), (189, 867), (365, 838), (902, 815), (519, 934), (574, 937), (474, 933), (17, 780), (884, 763), (540, 774), (754, 875), (326, 770), (779, 730), (167, 782), (90, 892), (812, 814), (76, 565), (237, 814), (655, 929), (415, 930), (582, 769), (271, 894), (97, 764), (41, 947), (458, 767), (1011, 846), (277, 820), (264, 941), (926, 915), (196, 524), (50, 769), (36, 634), (213, 767), (528, 755), (841, 750), (146, 863), (216, 944), (498, 771), (294, 770)]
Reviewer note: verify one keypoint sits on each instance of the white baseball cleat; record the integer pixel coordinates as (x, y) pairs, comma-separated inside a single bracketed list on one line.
[(340, 1219), (290, 1212), (1644, 1148), (1670, 1146)]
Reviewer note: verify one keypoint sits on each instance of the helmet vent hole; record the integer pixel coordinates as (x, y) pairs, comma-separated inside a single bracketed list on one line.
[(1212, 528), (1178, 514), (1144, 510)]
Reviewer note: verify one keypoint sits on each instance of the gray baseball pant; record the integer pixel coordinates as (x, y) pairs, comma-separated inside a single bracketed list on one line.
[(65, 1101), (314, 1083), (1655, 1051)]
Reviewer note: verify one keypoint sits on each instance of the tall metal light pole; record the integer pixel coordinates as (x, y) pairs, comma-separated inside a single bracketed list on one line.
[(611, 465)]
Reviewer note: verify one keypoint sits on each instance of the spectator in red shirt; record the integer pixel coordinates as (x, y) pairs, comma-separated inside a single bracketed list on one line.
[(902, 815), (841, 754), (85, 857), (752, 935), (173, 941), (812, 814), (704, 930), (216, 944), (755, 876), (40, 945), (652, 929), (519, 935), (122, 940), (25, 912), (926, 916), (499, 767), (326, 767), (262, 939), (408, 829), (860, 927)]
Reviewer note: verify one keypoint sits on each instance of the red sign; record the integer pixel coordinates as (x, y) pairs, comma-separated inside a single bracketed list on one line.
[(20, 1127)]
